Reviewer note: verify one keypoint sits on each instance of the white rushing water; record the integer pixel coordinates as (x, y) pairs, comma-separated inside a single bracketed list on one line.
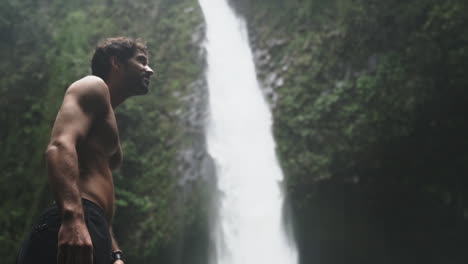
[(250, 227)]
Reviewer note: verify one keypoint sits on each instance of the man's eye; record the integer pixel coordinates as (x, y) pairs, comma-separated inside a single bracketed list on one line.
[(142, 61)]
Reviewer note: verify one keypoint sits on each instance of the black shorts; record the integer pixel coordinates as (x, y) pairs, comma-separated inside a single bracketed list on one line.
[(41, 245)]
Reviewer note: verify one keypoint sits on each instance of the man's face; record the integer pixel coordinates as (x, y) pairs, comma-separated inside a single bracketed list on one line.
[(138, 73)]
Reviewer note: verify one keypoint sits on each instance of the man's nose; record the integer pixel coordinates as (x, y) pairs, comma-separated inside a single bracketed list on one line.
[(149, 70)]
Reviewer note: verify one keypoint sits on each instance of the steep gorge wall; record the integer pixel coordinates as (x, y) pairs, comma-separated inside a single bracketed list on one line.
[(361, 109)]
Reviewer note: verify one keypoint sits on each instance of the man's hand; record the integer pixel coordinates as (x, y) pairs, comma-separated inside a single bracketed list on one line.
[(74, 243), (119, 261)]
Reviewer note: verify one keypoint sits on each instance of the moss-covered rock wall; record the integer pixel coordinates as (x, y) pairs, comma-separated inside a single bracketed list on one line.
[(368, 101)]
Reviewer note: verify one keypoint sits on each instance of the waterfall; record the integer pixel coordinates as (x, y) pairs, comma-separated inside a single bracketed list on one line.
[(249, 227)]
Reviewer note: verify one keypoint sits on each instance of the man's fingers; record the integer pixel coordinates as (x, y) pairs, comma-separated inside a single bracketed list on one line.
[(86, 255), (71, 255), (75, 255), (91, 254), (79, 257), (65, 255), (60, 255), (75, 244)]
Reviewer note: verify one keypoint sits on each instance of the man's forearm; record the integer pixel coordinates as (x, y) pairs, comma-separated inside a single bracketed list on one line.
[(115, 246), (62, 161)]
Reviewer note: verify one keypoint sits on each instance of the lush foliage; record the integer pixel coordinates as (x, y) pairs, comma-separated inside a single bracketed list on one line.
[(370, 124), (45, 47)]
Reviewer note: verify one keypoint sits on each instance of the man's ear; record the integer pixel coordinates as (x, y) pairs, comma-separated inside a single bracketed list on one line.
[(115, 63)]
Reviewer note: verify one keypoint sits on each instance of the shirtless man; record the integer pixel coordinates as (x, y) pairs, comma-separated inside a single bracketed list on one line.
[(83, 149)]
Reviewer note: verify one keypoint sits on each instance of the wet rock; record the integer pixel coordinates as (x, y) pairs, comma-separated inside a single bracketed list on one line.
[(189, 10), (191, 157), (275, 42)]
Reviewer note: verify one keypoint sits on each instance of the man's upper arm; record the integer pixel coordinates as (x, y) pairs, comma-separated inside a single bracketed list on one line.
[(83, 102)]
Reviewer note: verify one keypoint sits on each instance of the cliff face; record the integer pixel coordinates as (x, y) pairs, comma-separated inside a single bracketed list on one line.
[(367, 99)]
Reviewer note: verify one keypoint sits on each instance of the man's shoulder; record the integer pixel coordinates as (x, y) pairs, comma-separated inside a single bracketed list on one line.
[(88, 86), (91, 93)]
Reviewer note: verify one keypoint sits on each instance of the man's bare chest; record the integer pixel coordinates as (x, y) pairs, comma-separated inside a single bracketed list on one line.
[(103, 139)]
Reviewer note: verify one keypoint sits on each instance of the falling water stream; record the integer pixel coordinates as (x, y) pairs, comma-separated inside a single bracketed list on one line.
[(249, 227)]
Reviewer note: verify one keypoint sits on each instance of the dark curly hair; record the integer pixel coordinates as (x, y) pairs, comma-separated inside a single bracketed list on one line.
[(121, 47)]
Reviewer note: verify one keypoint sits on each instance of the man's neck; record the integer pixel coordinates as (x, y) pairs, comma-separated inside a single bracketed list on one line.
[(116, 92)]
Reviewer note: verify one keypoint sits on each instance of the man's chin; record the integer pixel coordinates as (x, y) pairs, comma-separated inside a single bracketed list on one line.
[(141, 90)]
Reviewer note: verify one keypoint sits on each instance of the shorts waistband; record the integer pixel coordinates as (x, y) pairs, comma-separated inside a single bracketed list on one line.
[(94, 206), (87, 205)]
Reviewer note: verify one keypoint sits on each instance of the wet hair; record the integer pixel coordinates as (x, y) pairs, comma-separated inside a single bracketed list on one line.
[(121, 47)]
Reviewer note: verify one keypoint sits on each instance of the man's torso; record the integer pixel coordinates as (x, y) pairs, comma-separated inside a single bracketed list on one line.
[(98, 154)]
